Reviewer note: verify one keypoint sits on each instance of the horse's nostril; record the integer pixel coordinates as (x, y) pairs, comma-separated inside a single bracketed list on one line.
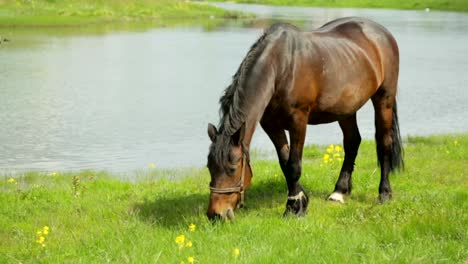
[(230, 214), (214, 216)]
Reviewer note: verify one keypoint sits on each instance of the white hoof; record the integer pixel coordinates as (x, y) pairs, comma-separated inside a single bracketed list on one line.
[(297, 197), (336, 197)]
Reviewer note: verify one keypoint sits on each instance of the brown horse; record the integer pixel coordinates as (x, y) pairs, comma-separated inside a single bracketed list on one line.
[(290, 79)]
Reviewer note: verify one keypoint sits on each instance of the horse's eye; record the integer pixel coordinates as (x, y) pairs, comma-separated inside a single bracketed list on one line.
[(231, 171)]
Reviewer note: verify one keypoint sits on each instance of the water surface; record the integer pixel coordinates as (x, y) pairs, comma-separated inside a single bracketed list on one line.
[(121, 100)]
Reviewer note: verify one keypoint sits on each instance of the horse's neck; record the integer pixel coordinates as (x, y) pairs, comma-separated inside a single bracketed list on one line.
[(261, 92)]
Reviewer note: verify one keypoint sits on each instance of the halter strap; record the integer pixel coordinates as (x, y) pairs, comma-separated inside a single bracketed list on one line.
[(239, 188)]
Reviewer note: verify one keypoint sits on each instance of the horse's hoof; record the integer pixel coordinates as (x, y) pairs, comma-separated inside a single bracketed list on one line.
[(297, 205), (336, 197), (385, 197)]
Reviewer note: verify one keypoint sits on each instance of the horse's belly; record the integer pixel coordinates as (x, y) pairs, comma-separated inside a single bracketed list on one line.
[(316, 118)]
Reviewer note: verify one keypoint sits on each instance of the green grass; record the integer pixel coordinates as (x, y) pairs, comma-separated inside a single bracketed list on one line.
[(95, 218), (451, 5), (27, 13), (73, 13)]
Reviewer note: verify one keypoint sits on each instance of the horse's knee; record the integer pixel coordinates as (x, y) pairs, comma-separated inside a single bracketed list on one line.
[(294, 171), (284, 154)]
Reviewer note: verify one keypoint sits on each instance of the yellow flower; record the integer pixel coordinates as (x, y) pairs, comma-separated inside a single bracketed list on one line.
[(336, 155), (337, 148), (182, 262), (190, 260), (53, 173), (151, 165), (326, 157), (180, 240), (189, 244), (45, 230), (41, 240), (236, 252), (11, 180), (192, 227)]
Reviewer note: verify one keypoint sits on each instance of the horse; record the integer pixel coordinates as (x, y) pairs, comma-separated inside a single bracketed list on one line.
[(292, 78)]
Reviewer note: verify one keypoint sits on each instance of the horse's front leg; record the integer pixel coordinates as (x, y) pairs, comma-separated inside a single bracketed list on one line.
[(277, 135), (297, 197)]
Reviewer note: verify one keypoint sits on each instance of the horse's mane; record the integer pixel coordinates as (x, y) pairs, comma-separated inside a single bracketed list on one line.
[(232, 113), (236, 102)]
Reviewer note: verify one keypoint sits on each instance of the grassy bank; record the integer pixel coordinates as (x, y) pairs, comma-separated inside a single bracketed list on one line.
[(451, 5), (89, 217), (84, 12)]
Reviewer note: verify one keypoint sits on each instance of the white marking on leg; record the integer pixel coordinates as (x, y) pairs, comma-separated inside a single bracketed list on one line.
[(337, 197), (296, 197)]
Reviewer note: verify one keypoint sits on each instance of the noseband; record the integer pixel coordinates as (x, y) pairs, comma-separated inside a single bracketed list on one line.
[(239, 188)]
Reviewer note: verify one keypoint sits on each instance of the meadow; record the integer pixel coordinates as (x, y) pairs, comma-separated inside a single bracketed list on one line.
[(93, 217), (448, 5), (74, 13), (68, 13)]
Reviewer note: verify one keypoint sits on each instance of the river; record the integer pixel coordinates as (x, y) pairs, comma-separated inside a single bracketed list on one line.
[(121, 100)]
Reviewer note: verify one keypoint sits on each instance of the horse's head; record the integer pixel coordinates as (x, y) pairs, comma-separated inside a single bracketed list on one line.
[(230, 172)]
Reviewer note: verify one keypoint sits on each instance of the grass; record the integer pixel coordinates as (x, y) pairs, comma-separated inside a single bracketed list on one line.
[(75, 13), (94, 218), (451, 5), (47, 13)]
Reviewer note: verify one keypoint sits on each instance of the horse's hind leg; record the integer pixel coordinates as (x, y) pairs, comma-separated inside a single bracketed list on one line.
[(387, 136), (351, 142)]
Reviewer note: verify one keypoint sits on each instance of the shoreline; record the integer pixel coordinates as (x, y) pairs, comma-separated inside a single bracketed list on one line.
[(83, 13), (181, 172), (450, 5)]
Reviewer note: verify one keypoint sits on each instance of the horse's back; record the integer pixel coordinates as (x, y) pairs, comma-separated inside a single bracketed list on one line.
[(337, 67), (365, 32), (348, 26), (382, 44)]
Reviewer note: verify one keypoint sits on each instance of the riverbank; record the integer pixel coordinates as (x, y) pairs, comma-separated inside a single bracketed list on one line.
[(66, 13), (42, 13), (449, 5), (91, 217)]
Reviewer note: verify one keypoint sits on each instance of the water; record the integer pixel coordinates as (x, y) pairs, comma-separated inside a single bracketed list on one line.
[(121, 100)]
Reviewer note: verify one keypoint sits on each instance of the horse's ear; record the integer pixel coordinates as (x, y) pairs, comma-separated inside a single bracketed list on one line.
[(212, 132), (238, 137)]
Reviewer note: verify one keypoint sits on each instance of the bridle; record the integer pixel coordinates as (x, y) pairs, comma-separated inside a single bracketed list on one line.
[(239, 188)]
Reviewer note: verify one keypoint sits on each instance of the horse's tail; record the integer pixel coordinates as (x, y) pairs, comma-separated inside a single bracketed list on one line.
[(396, 158)]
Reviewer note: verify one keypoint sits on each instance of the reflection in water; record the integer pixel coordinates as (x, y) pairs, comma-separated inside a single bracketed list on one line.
[(120, 101)]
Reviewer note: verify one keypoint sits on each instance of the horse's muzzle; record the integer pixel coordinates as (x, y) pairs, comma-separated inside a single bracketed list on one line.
[(217, 216)]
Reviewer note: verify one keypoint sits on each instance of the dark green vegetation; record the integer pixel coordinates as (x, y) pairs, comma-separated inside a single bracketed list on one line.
[(21, 13), (452, 5), (95, 218)]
